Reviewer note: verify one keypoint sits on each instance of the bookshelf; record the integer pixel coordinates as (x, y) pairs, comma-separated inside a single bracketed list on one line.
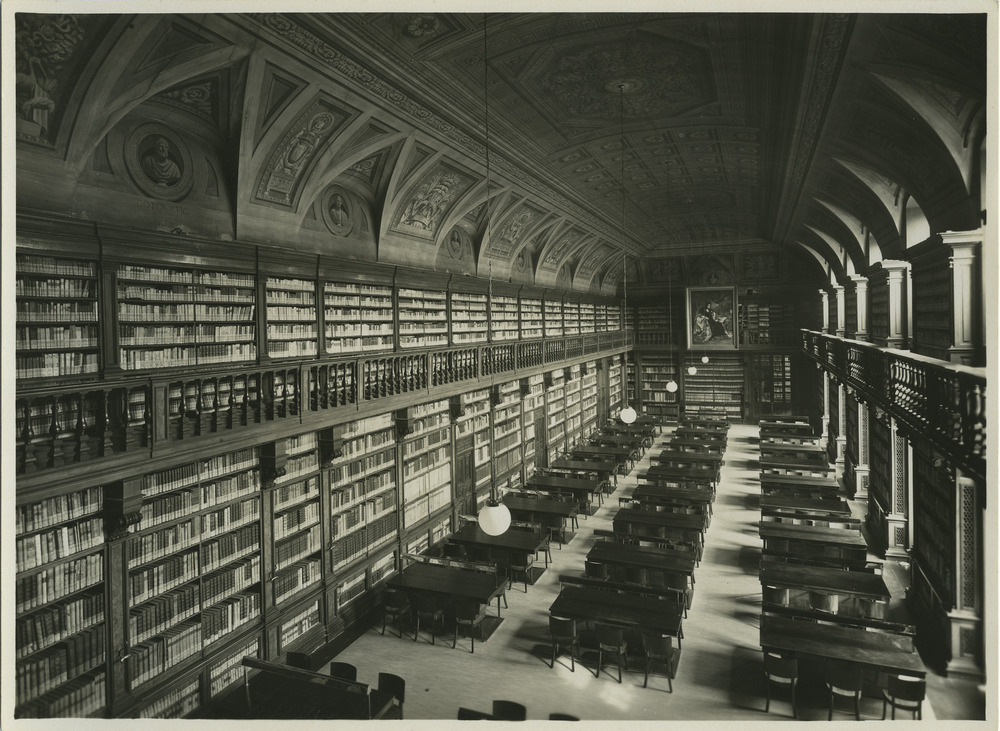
[(655, 373), (531, 318), (291, 317), (555, 414), (295, 518), (588, 318), (358, 317), (631, 381), (768, 384), (588, 399), (363, 492), (60, 624), (532, 405), (615, 384), (717, 387), (507, 433), (423, 318), (57, 317), (426, 455), (553, 318), (503, 318), (299, 625), (573, 406), (571, 318), (764, 323), (193, 563), (181, 317), (468, 318), (935, 520)]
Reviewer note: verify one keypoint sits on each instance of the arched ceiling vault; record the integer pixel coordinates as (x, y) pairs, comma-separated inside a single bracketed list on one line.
[(651, 134)]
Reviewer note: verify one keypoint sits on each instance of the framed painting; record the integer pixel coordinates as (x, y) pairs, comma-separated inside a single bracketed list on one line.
[(712, 317)]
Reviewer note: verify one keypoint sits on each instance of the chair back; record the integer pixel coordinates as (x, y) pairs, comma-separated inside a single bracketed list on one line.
[(562, 628), (635, 575), (509, 711), (454, 550), (844, 676), (562, 717), (596, 570), (468, 714), (396, 601), (776, 666), (393, 684), (657, 645), (907, 688), (344, 670), (468, 610), (425, 603), (610, 638)]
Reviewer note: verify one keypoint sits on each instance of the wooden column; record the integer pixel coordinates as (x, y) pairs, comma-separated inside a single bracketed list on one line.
[(967, 345), (897, 279), (824, 297), (839, 326), (861, 295)]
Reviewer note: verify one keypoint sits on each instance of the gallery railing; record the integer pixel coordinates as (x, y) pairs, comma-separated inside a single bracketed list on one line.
[(58, 426), (930, 398)]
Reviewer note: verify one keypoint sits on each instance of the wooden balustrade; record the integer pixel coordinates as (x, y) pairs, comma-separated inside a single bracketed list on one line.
[(935, 399), (62, 425)]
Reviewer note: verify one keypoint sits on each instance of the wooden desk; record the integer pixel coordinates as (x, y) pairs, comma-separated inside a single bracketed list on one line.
[(511, 541), (779, 449), (538, 506), (479, 586), (775, 437), (802, 430), (806, 541), (705, 423), (648, 557), (812, 468), (618, 440), (826, 580), (685, 525), (621, 454), (582, 488), (606, 469), (681, 458), (881, 650), (647, 432), (786, 419), (779, 504), (679, 495), (646, 420), (632, 610), (803, 485), (694, 446), (682, 474), (700, 435)]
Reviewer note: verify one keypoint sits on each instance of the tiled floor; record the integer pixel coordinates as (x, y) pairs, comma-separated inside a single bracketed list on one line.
[(720, 675)]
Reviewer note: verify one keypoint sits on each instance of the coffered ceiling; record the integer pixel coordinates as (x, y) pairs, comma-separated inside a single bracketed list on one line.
[(654, 134)]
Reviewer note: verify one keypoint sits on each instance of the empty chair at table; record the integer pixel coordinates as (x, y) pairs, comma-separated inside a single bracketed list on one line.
[(783, 671), (564, 636), (611, 640), (469, 714), (509, 711), (659, 648), (344, 671), (905, 692), (427, 609), (396, 687), (469, 613), (843, 680), (632, 575), (395, 605), (520, 565), (596, 569), (454, 550)]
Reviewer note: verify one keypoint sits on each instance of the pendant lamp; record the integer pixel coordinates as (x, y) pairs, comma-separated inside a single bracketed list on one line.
[(494, 518), (628, 415)]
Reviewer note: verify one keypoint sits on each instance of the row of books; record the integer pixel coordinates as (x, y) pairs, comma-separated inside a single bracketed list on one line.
[(43, 337), (298, 546), (236, 577), (294, 314), (54, 365), (225, 548), (178, 703), (292, 494), (41, 548), (350, 589), (230, 488), (80, 697), (227, 615), (56, 621), (154, 657), (161, 508), (174, 293), (230, 517), (293, 285), (424, 462), (425, 482), (163, 611), (56, 311), (228, 671), (297, 625), (58, 509), (289, 298), (291, 348), (295, 519), (352, 345), (60, 663), (154, 545), (31, 264), (169, 357), (56, 582), (296, 577), (299, 465), (153, 580)]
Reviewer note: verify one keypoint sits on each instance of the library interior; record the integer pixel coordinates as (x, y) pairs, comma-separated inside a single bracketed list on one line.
[(638, 357)]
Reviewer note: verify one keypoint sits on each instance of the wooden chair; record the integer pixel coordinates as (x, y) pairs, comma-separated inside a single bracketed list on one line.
[(520, 562), (844, 680), (468, 714), (546, 548), (454, 550), (660, 648), (596, 569), (611, 639), (502, 582), (562, 717), (426, 608), (634, 575), (344, 671), (905, 692), (469, 614), (396, 603), (564, 635), (509, 711), (396, 686), (781, 670)]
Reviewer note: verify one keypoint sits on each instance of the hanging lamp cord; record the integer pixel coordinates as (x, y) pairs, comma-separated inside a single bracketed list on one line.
[(494, 496)]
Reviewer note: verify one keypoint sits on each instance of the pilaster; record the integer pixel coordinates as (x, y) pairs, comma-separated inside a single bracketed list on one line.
[(897, 281), (825, 304), (967, 345), (861, 293), (838, 293)]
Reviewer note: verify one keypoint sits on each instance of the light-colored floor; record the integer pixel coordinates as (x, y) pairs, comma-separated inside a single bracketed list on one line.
[(720, 677)]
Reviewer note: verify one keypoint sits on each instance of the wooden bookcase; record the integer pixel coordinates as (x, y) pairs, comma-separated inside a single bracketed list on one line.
[(588, 398), (571, 317), (503, 318), (292, 330), (468, 318), (531, 318), (655, 371), (358, 317), (423, 318), (553, 310), (505, 400), (573, 405), (716, 388), (555, 414), (426, 461)]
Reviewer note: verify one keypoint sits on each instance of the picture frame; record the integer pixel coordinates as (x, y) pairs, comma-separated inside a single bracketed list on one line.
[(711, 318)]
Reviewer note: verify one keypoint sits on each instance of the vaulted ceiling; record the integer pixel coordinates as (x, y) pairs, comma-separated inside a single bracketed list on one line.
[(365, 134)]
